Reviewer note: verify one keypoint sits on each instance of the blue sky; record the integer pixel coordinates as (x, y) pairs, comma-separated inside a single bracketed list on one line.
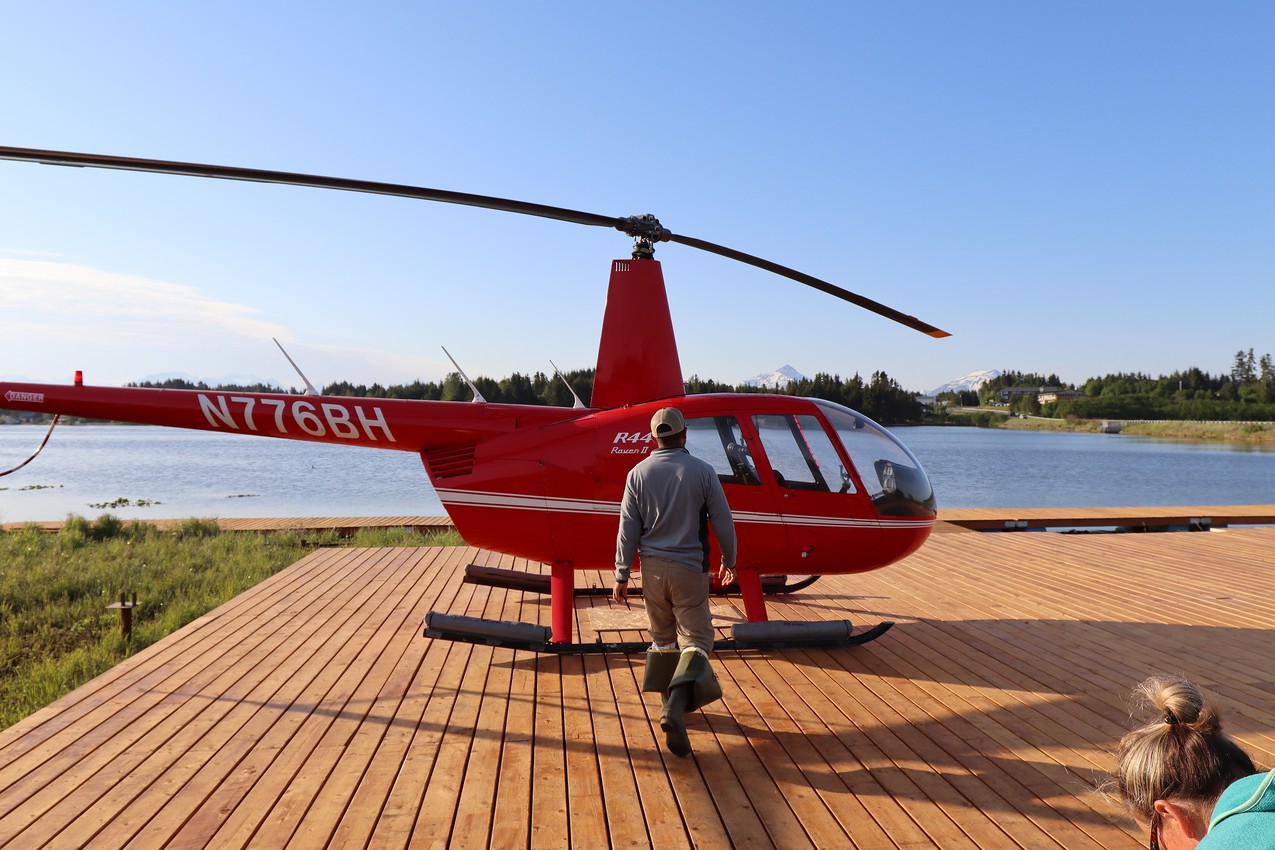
[(1071, 188)]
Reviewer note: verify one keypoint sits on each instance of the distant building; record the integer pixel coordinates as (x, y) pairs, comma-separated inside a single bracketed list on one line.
[(1007, 393), (1054, 395)]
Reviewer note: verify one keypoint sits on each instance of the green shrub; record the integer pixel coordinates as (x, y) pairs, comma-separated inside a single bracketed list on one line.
[(197, 528), (76, 531)]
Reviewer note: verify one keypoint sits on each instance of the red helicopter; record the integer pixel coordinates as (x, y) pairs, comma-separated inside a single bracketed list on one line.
[(815, 488)]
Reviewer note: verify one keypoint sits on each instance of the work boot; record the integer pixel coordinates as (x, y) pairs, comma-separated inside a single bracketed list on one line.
[(661, 664), (673, 720), (694, 670)]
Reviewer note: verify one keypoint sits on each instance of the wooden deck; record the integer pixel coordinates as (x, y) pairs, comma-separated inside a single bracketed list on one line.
[(1150, 519), (310, 712)]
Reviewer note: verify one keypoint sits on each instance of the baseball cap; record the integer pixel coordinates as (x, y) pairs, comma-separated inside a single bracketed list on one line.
[(667, 421)]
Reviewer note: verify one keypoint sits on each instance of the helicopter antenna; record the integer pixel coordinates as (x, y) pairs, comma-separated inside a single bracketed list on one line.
[(477, 395), (579, 404), (309, 387)]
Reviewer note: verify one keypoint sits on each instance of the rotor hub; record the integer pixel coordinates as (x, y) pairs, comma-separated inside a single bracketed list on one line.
[(646, 230)]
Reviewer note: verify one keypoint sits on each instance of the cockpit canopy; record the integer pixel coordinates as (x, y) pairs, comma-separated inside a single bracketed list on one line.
[(802, 455), (892, 474)]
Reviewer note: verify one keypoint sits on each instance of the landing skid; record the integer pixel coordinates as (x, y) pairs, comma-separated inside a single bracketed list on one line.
[(773, 634), (759, 633)]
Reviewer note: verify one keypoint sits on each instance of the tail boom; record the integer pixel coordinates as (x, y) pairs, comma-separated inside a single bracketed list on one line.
[(398, 424)]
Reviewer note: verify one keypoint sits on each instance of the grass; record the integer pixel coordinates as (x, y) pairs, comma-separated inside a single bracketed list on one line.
[(56, 631), (1081, 425), (1230, 432), (1233, 432)]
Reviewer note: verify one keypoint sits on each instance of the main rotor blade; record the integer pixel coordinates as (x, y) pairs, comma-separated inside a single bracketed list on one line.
[(256, 175), (809, 280), (634, 226)]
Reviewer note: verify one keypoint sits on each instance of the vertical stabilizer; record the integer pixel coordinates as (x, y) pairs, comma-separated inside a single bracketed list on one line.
[(637, 356)]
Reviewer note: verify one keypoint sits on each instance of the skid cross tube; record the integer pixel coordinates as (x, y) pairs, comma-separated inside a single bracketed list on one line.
[(528, 582), (535, 583)]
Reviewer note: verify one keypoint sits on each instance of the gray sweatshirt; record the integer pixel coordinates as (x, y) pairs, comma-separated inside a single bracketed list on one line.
[(670, 499)]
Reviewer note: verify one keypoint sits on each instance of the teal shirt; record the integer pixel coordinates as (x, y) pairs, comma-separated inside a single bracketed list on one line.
[(1244, 816)]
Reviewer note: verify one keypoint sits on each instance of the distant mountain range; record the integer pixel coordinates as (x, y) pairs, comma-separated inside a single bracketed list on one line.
[(239, 379), (786, 374), (777, 379), (970, 382)]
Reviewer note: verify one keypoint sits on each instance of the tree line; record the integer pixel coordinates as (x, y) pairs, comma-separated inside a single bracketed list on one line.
[(880, 398), (1246, 392)]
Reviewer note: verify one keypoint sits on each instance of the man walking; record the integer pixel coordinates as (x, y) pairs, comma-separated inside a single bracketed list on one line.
[(670, 500)]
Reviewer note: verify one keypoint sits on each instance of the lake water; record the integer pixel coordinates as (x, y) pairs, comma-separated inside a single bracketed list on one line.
[(992, 468), (197, 473), (194, 473)]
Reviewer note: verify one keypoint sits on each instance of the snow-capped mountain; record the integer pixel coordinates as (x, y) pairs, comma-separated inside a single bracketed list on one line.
[(972, 382), (777, 379)]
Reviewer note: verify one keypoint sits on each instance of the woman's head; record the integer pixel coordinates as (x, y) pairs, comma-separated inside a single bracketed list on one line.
[(1179, 762)]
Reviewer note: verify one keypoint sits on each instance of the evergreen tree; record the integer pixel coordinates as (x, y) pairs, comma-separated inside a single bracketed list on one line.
[(1244, 371)]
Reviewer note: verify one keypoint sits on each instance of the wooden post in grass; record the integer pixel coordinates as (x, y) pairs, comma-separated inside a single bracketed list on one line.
[(126, 614)]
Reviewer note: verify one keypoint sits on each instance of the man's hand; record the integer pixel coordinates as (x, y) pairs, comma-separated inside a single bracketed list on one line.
[(725, 575), (621, 590)]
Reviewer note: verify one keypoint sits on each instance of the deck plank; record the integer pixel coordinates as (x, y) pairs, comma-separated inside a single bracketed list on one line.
[(437, 823), (549, 813), (310, 712)]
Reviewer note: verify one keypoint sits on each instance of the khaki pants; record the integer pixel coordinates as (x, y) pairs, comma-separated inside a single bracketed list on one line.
[(677, 604)]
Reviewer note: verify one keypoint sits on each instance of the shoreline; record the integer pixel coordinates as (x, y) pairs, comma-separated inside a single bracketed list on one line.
[(1261, 433)]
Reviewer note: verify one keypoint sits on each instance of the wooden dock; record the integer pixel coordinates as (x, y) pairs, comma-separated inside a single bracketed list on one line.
[(1199, 518), (310, 712)]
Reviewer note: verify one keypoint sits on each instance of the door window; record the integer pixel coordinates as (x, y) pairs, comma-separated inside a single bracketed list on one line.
[(801, 454), (718, 440)]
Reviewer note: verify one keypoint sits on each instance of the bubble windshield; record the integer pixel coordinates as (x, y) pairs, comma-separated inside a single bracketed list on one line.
[(891, 475)]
